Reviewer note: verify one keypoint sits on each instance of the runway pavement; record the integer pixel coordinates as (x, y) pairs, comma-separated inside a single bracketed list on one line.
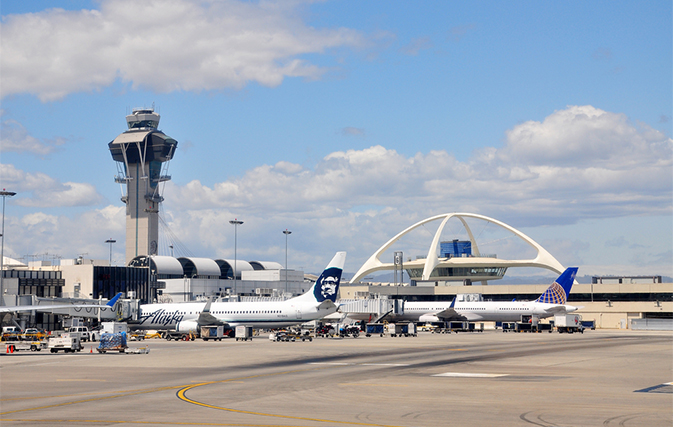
[(599, 378)]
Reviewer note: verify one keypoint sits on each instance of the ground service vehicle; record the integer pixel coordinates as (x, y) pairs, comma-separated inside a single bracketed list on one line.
[(180, 336), (84, 333), (569, 323), (66, 342), (26, 345)]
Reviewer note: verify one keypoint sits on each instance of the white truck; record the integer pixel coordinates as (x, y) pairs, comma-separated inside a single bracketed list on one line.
[(569, 323), (67, 342)]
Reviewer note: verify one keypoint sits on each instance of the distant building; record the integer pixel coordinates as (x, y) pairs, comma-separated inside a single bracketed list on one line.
[(456, 261)]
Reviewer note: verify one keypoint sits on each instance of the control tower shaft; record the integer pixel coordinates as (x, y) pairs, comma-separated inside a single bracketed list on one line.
[(142, 154)]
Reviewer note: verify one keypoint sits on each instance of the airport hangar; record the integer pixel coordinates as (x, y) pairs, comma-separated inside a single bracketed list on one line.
[(457, 269)]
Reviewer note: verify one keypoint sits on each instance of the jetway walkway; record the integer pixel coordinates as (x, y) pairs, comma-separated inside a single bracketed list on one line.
[(378, 308), (125, 309)]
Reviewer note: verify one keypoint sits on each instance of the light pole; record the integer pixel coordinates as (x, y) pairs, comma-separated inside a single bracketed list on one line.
[(110, 241), (235, 222), (4, 195), (287, 233)]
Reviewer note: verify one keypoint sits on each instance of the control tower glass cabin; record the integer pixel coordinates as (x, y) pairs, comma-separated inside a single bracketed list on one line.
[(142, 154)]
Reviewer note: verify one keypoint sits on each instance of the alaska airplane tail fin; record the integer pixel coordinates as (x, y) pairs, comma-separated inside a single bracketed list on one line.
[(327, 285), (558, 292)]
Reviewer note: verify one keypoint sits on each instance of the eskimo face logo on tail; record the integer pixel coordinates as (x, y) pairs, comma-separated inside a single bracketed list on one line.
[(327, 285)]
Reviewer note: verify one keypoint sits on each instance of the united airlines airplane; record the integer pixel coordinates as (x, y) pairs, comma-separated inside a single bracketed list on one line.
[(550, 303), (315, 304)]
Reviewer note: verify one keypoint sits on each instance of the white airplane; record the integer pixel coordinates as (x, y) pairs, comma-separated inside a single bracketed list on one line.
[(50, 308), (315, 304), (550, 303)]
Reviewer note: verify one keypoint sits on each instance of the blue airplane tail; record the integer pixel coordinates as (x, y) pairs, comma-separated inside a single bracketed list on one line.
[(558, 292), (114, 300), (327, 285)]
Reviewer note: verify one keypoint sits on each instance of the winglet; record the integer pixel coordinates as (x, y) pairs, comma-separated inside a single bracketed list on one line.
[(114, 300), (453, 303)]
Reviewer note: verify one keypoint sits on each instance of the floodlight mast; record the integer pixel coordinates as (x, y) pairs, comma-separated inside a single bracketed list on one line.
[(287, 233), (235, 222), (4, 193)]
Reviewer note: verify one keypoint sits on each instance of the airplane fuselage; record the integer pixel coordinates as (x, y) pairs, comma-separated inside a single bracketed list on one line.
[(488, 311), (256, 314)]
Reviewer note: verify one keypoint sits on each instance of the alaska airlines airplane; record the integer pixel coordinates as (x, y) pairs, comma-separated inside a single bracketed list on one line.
[(550, 303), (317, 303)]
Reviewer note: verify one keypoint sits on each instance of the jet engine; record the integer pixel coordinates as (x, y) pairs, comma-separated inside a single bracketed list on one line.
[(187, 325), (429, 318)]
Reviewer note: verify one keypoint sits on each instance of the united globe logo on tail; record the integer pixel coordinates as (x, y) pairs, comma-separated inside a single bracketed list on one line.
[(558, 292), (327, 285)]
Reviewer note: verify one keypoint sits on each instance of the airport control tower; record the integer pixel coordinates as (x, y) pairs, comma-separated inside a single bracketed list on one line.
[(142, 154)]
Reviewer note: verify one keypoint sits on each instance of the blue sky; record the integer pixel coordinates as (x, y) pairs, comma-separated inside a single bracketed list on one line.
[(346, 122)]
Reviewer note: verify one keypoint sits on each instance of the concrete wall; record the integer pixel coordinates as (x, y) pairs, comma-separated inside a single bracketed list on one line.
[(74, 274)]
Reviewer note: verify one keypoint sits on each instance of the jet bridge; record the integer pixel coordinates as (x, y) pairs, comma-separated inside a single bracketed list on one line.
[(125, 309), (376, 307)]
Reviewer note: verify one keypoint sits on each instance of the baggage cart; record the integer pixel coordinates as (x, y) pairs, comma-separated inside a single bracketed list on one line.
[(397, 329), (374, 328), (243, 333), (112, 342), (215, 332)]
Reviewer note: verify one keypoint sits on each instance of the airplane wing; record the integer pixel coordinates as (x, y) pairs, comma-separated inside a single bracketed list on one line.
[(325, 305), (205, 318), (561, 309), (442, 316), (449, 313), (49, 308)]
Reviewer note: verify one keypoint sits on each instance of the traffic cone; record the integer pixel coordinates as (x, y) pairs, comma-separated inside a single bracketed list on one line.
[(7, 347), (91, 351)]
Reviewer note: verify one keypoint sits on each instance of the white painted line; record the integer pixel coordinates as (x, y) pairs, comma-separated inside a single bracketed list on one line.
[(385, 364), (330, 363), (469, 375), (359, 364)]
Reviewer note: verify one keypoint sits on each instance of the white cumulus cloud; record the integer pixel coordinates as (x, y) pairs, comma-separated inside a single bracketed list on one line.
[(41, 190), (167, 45), (15, 138)]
